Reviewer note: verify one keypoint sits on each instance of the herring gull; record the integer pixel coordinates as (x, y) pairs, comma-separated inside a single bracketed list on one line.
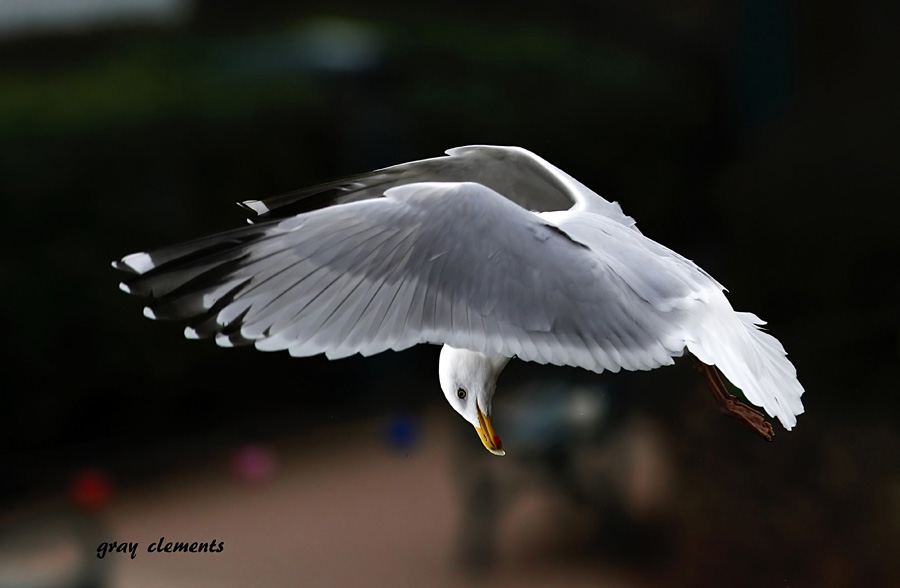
[(489, 251)]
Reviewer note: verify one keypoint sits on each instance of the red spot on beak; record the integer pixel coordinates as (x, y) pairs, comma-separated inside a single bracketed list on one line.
[(497, 442)]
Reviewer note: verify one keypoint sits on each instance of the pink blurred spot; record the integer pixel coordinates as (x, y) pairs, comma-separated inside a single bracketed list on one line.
[(253, 463), (91, 489)]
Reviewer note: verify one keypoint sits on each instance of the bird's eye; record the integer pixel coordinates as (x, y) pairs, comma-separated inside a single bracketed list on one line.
[(461, 393)]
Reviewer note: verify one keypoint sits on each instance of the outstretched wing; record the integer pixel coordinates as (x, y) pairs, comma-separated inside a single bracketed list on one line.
[(453, 263), (750, 358), (518, 174)]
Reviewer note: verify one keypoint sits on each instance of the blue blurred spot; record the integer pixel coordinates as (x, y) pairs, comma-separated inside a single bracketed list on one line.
[(401, 432)]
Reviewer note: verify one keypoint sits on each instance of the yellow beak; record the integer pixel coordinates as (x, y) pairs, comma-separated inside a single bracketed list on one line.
[(488, 435)]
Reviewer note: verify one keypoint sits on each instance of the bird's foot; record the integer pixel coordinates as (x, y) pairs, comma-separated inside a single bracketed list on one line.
[(732, 407), (748, 417)]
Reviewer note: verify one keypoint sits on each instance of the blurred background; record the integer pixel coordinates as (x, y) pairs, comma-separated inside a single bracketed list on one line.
[(758, 138)]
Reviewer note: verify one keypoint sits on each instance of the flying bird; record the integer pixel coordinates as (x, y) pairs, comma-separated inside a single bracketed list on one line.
[(490, 251)]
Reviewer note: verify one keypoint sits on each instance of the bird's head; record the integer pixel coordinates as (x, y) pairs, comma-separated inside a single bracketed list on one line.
[(469, 380)]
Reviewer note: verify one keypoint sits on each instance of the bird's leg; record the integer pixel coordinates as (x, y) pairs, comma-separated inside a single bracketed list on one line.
[(731, 406)]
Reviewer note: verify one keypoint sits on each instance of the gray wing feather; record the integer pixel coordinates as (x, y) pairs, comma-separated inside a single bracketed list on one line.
[(516, 173), (448, 263)]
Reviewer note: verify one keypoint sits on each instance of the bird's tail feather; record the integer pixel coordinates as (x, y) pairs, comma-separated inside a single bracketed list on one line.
[(750, 358)]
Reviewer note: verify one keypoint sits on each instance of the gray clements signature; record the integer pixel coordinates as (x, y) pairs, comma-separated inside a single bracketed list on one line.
[(161, 546)]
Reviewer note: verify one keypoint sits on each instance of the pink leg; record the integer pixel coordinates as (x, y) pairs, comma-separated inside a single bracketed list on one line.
[(731, 406)]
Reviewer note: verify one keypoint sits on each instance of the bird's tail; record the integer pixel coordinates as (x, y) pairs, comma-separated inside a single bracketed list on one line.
[(750, 358)]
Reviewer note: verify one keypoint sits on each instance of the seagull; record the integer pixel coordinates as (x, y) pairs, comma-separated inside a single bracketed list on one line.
[(490, 251)]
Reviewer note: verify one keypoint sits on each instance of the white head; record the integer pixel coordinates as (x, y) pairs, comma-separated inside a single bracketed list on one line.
[(469, 380)]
